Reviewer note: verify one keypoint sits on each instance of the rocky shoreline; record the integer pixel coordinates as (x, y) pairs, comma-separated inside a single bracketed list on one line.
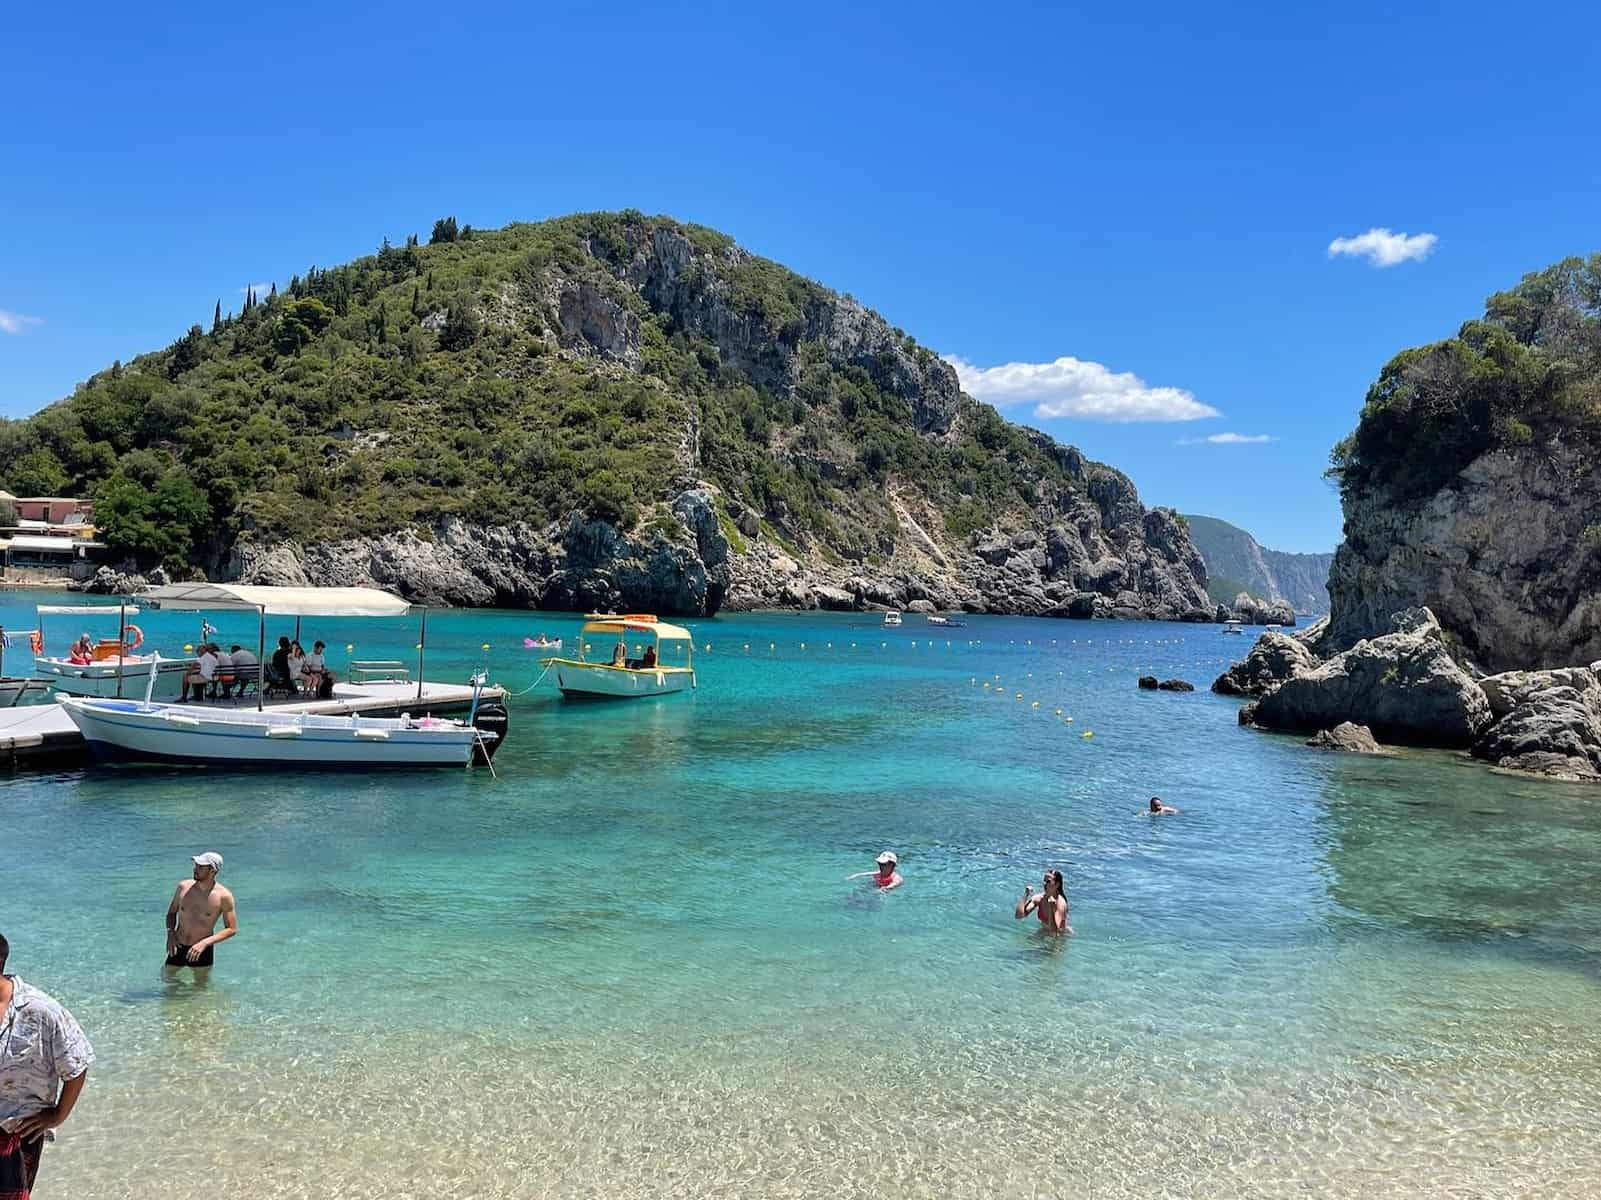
[(1406, 688)]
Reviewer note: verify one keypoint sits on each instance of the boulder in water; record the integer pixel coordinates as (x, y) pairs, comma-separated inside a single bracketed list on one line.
[(1275, 658), (1346, 736), (1404, 686)]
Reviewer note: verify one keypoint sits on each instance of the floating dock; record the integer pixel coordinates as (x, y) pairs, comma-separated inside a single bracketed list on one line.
[(42, 735)]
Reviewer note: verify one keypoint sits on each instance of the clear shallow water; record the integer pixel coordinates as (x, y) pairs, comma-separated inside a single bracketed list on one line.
[(631, 966)]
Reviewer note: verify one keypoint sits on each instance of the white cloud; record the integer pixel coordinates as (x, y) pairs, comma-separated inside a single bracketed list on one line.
[(11, 322), (1383, 248), (1071, 387), (1229, 439)]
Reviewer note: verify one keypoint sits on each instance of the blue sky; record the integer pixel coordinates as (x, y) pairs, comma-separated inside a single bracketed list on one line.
[(1145, 190)]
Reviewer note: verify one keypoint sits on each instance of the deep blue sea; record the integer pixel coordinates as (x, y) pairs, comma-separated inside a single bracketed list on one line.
[(632, 964)]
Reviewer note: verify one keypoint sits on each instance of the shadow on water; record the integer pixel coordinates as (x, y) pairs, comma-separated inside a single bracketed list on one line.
[(1432, 847)]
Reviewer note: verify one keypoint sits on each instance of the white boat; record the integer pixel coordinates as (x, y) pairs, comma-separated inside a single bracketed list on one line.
[(617, 676), (1233, 627), (542, 644), (892, 617), (945, 622), (116, 670), (139, 731)]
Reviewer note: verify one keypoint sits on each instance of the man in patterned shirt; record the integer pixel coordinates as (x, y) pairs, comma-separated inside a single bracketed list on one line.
[(44, 1062)]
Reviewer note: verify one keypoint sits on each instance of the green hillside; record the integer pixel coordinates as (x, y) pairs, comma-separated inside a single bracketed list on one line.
[(518, 374)]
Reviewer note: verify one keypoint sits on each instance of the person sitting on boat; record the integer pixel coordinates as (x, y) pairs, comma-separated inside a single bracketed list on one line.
[(82, 653), (201, 675), (297, 664), (244, 669), (1050, 905), (619, 654), (278, 671), (886, 876), (315, 668), (648, 662)]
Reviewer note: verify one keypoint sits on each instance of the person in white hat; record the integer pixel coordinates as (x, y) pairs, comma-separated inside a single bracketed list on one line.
[(886, 876), (197, 905)]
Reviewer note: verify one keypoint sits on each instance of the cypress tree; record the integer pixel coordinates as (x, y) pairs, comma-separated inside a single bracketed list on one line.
[(216, 317), (273, 295), (416, 300)]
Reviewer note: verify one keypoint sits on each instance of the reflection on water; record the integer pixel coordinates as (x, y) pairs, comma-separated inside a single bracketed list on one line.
[(633, 965)]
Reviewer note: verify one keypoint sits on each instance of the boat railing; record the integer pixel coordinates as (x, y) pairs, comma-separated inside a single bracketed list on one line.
[(379, 670)]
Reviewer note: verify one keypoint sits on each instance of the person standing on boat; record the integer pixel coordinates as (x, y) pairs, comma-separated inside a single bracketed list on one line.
[(886, 877), (1050, 905), (44, 1063), (197, 905)]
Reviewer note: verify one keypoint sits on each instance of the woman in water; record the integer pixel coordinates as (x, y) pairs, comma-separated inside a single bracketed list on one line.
[(1050, 905)]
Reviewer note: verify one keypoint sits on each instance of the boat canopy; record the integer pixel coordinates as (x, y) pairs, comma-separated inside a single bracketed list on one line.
[(636, 623), (280, 601), (87, 610)]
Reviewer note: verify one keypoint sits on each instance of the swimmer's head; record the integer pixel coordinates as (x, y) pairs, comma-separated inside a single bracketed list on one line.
[(887, 862), (1156, 804), (1053, 877)]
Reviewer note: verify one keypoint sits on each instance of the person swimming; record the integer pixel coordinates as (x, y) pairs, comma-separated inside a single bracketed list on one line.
[(1158, 809), (886, 876), (1050, 905)]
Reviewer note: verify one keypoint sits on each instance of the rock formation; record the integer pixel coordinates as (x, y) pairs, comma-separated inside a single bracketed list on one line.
[(1352, 739), (1403, 685), (1503, 555), (1275, 658)]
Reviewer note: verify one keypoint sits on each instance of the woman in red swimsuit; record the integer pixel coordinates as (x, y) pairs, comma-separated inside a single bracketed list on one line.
[(1050, 905)]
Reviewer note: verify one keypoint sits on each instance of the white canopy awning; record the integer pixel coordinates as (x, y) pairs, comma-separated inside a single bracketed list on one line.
[(99, 610), (280, 601)]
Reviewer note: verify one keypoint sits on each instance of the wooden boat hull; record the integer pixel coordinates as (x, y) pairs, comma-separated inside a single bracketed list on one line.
[(578, 680), (125, 731)]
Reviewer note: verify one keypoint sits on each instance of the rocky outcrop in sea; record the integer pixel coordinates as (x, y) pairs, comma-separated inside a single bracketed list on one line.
[(1405, 687)]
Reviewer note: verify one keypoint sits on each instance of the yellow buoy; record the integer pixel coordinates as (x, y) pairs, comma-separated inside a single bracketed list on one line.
[(418, 646), (187, 648), (349, 647), (986, 685), (1088, 733), (485, 646)]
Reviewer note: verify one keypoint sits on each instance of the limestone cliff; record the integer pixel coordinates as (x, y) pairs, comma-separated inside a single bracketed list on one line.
[(1471, 485)]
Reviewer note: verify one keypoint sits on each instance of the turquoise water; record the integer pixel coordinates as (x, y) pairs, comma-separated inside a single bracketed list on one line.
[(632, 965)]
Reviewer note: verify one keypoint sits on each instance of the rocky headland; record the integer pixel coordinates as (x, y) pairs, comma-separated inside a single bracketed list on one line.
[(1465, 599), (601, 411)]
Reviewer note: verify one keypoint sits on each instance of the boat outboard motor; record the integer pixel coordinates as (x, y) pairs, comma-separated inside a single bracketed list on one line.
[(491, 718)]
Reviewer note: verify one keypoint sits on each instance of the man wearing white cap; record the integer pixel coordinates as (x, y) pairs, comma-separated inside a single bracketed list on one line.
[(197, 905), (886, 876)]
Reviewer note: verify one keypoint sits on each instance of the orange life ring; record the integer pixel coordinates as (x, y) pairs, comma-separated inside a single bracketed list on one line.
[(36, 641), (138, 638)]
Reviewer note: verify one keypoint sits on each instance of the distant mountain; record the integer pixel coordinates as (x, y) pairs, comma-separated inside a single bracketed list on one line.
[(1234, 558)]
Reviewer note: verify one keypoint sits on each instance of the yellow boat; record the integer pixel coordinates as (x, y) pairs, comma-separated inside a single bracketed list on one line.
[(612, 673)]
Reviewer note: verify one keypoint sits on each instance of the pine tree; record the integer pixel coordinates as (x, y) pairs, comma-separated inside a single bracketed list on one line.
[(216, 317)]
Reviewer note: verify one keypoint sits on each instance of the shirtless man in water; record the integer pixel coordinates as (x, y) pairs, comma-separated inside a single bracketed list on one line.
[(197, 905)]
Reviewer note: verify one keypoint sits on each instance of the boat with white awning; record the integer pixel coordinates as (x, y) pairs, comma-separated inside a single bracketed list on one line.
[(653, 670)]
